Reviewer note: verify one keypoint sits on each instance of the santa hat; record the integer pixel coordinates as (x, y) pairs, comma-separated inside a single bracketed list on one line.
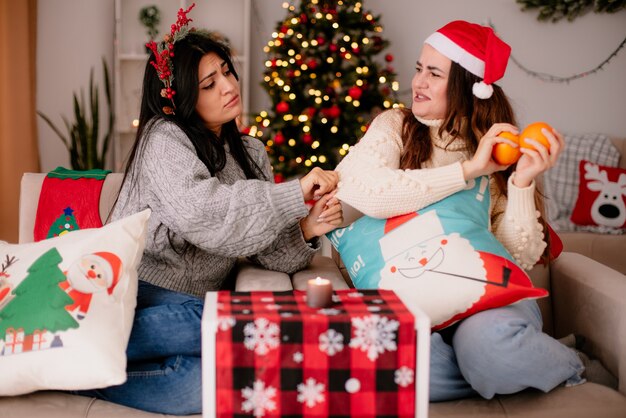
[(111, 266), (475, 48), (413, 231)]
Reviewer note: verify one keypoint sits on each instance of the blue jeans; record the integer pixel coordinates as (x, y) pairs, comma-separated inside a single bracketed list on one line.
[(500, 351), (164, 368)]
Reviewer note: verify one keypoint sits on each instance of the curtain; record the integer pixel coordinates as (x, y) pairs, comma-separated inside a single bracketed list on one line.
[(18, 130)]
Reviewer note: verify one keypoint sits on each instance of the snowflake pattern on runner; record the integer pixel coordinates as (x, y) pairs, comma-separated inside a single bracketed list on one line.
[(403, 376), (261, 336), (329, 311), (224, 323), (298, 357), (374, 334), (258, 399), (355, 295), (311, 392), (331, 342)]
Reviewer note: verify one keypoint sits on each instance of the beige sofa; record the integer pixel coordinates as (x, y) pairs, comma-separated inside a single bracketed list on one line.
[(607, 249), (586, 298)]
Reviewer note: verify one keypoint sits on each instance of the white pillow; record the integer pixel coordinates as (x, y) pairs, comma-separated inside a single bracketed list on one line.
[(67, 307)]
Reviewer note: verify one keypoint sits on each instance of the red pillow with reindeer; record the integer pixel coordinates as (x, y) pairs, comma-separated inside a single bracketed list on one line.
[(601, 196)]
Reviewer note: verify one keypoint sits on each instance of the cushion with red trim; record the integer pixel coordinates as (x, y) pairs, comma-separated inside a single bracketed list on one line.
[(441, 258), (67, 306), (601, 197)]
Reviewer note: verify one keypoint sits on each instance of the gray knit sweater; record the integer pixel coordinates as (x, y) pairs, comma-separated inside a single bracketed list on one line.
[(222, 217)]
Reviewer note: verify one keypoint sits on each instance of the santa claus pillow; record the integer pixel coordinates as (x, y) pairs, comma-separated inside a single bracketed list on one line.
[(441, 258), (601, 197), (67, 307)]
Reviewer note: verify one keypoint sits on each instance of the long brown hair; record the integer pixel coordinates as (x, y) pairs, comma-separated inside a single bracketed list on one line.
[(467, 119)]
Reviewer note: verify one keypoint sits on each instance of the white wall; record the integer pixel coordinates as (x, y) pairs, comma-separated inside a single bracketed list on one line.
[(72, 37), (74, 34)]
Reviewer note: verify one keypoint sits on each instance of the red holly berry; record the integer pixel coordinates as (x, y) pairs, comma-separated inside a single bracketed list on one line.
[(307, 138), (278, 178), (333, 48), (320, 40), (312, 63), (388, 57)]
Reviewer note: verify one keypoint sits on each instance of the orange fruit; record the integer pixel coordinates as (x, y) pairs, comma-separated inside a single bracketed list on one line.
[(504, 154), (533, 131)]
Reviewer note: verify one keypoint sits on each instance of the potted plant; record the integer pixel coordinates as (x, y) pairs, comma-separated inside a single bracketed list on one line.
[(82, 135), (150, 17)]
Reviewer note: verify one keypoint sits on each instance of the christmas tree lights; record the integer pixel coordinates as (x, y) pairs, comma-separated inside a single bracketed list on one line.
[(324, 83)]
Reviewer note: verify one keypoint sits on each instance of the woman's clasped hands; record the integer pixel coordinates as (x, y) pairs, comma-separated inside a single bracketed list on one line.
[(326, 213)]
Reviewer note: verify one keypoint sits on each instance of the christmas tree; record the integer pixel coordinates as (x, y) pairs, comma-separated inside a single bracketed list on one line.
[(38, 302), (324, 83), (63, 224)]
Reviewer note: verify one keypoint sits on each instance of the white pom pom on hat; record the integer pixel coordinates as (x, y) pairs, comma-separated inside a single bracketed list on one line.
[(477, 49), (482, 90)]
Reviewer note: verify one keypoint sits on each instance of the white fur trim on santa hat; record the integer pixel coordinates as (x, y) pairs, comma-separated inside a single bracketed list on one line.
[(409, 234), (482, 90), (450, 49)]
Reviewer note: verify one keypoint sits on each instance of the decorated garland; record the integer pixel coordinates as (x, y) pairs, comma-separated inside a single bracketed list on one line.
[(559, 79), (556, 10)]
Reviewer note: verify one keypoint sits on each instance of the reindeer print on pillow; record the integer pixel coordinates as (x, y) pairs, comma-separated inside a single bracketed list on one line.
[(601, 196)]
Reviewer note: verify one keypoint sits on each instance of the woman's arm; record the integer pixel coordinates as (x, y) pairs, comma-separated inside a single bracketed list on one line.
[(288, 252), (515, 224), (230, 220), (372, 182)]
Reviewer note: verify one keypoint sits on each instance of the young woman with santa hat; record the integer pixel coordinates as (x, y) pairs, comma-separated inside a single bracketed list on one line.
[(411, 158)]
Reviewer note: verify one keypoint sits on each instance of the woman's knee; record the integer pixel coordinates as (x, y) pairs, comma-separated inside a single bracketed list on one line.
[(496, 329), (185, 391), (173, 387)]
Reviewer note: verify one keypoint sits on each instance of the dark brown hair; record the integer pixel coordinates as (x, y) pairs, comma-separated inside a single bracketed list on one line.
[(467, 119)]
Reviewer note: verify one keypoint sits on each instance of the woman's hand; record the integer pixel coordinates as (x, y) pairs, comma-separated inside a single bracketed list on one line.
[(534, 162), (318, 182), (482, 163), (324, 216)]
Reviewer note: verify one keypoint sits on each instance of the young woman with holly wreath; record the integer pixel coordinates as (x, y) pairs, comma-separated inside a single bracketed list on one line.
[(213, 200)]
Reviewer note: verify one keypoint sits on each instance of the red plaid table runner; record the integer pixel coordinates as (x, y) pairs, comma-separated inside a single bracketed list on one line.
[(277, 357)]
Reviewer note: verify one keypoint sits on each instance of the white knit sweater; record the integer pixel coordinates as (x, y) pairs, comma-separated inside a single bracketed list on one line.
[(372, 182)]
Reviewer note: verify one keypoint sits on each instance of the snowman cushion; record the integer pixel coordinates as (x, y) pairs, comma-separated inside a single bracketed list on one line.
[(67, 307), (442, 258)]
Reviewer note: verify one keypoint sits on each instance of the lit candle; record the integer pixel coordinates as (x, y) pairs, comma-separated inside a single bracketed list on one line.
[(319, 293)]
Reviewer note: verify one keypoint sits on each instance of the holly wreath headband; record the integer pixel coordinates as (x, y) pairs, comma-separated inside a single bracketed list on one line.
[(163, 53)]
